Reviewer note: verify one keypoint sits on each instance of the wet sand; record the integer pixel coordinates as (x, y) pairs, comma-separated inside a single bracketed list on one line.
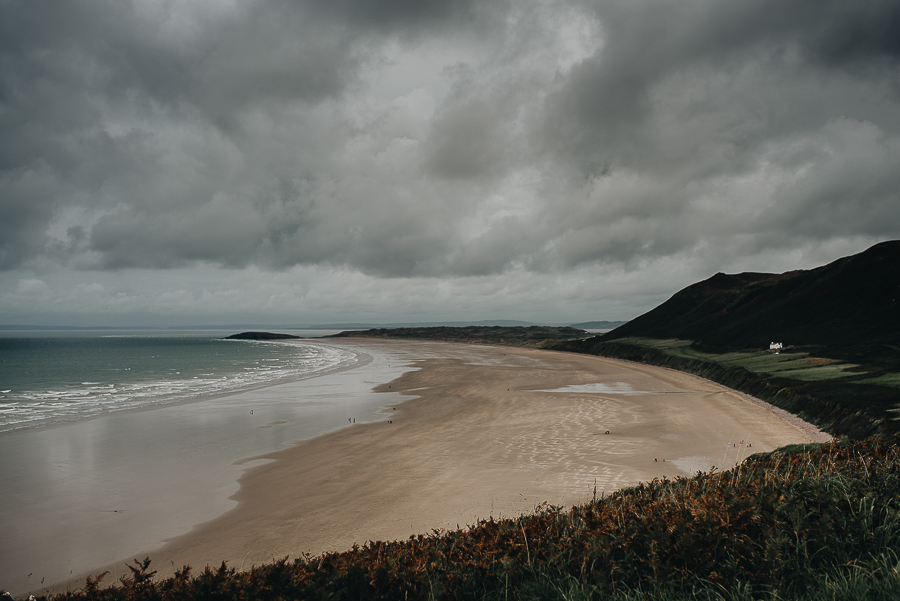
[(485, 431), (77, 496)]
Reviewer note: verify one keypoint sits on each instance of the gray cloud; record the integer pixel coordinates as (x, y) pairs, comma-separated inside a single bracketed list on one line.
[(749, 72), (699, 97), (452, 140), (402, 15)]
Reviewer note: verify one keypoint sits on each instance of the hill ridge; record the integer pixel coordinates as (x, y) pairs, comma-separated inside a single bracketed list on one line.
[(852, 300)]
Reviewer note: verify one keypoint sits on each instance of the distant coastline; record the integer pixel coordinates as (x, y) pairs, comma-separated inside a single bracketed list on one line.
[(588, 325)]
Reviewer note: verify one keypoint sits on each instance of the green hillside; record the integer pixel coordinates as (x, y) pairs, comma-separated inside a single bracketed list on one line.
[(839, 324), (850, 307)]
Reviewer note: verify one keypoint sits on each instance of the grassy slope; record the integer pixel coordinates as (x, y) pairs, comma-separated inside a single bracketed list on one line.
[(792, 363), (800, 523)]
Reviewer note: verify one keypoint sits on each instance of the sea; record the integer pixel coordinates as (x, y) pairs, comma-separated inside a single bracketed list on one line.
[(56, 376)]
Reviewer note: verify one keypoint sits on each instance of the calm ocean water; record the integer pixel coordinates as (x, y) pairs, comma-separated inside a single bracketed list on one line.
[(58, 376)]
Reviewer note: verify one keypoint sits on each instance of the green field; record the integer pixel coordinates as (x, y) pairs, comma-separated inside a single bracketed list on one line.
[(796, 365), (892, 379)]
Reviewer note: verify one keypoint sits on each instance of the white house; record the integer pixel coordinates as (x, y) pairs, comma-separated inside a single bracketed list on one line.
[(776, 346)]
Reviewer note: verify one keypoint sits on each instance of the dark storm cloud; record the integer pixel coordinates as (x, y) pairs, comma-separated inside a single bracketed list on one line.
[(166, 134), (399, 15), (71, 72), (765, 49), (687, 99), (842, 33), (472, 137), (92, 92)]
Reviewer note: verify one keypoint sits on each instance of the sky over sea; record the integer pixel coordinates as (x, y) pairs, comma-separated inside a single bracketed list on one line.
[(185, 162)]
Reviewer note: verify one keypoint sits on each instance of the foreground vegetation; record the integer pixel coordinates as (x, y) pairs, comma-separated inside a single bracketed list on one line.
[(821, 521)]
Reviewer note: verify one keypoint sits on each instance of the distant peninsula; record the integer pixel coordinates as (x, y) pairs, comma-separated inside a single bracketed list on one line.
[(598, 325), (535, 336), (261, 336)]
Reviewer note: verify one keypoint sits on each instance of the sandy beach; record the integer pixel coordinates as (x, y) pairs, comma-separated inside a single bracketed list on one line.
[(469, 432)]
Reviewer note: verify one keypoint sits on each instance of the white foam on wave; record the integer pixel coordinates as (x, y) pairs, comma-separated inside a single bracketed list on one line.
[(89, 399)]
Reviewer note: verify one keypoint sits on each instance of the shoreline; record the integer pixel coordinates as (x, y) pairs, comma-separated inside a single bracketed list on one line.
[(477, 432), (83, 494), (360, 360)]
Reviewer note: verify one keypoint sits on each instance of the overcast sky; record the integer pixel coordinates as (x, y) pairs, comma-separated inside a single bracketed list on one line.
[(167, 162)]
